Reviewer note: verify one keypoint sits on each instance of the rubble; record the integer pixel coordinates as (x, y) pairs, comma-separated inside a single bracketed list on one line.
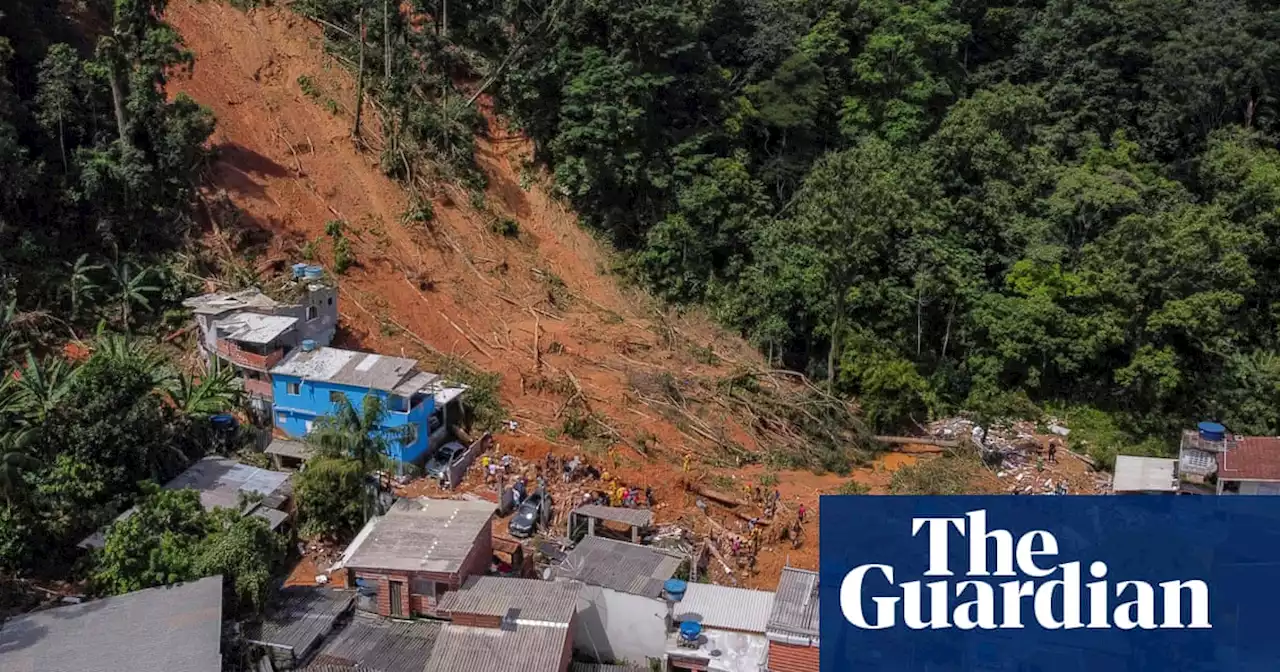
[(1017, 453)]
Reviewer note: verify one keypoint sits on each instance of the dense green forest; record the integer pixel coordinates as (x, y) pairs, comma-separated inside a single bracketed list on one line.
[(935, 205)]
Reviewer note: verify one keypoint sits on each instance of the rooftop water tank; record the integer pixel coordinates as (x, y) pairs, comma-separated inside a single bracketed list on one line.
[(308, 345), (299, 270), (314, 272), (690, 630), (223, 421), (675, 589), (1212, 431)]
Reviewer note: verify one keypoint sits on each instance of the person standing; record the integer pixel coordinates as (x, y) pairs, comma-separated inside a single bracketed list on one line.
[(800, 514)]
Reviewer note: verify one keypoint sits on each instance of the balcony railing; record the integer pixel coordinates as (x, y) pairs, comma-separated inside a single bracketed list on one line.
[(258, 388), (241, 357)]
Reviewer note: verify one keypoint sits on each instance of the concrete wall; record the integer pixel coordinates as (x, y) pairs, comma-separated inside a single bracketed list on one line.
[(1259, 488), (614, 626), (296, 414)]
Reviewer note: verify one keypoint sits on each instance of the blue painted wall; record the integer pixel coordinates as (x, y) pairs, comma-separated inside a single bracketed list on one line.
[(296, 413)]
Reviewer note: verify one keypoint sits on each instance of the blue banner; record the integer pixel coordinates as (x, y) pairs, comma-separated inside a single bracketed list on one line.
[(1050, 584)]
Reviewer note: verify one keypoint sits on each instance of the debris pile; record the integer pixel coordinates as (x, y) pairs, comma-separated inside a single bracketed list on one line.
[(1027, 461)]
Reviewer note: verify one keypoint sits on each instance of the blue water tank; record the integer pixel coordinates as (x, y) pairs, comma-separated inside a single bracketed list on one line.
[(675, 589), (299, 270), (308, 345), (1212, 431), (314, 272), (690, 630)]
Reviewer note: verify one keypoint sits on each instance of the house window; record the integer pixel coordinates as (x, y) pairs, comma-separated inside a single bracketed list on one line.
[(293, 388), (336, 397), (312, 313)]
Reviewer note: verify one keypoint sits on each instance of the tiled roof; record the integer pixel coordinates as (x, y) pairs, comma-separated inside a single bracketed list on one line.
[(605, 667), (162, 629), (1255, 458), (526, 648), (795, 605), (516, 599), (630, 568), (432, 535), (639, 517), (300, 618), (374, 644), (725, 607)]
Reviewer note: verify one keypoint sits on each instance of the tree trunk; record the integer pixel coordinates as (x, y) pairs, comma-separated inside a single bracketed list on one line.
[(62, 141), (360, 78), (117, 96), (837, 323), (386, 44)]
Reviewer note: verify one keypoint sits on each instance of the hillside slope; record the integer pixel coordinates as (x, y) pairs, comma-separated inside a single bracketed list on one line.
[(610, 359)]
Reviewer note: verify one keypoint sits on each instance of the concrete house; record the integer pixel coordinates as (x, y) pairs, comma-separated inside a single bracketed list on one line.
[(1212, 461), (251, 331), (792, 629), (418, 551), (733, 622), (161, 629), (507, 625), (310, 382), (622, 614)]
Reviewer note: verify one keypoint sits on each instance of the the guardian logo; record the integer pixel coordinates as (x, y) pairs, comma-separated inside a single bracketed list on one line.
[(1052, 594)]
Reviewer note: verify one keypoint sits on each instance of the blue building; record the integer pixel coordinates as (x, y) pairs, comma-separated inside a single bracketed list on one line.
[(309, 383)]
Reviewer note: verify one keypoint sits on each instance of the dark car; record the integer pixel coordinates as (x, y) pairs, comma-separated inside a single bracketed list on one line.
[(442, 458), (525, 522)]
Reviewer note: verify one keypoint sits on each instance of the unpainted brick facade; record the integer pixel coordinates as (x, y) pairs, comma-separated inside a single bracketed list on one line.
[(421, 591)]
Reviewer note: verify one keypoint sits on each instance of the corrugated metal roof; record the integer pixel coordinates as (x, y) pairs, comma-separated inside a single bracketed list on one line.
[(726, 607), (300, 617), (630, 568), (525, 648), (1145, 474), (433, 535), (795, 605), (421, 382), (253, 328), (627, 516), (514, 599), (162, 629), (373, 644), (348, 367), (220, 481)]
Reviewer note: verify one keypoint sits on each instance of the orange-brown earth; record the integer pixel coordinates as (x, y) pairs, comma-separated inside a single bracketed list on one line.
[(287, 160)]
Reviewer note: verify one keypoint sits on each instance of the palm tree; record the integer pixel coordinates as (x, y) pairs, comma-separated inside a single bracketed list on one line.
[(215, 391), (358, 435), (41, 387), (14, 460), (80, 285), (139, 354), (132, 288)]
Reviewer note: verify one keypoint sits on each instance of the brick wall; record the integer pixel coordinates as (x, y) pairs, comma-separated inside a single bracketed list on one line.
[(792, 658)]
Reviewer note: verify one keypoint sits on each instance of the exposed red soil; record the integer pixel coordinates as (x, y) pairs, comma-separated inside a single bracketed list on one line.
[(454, 287)]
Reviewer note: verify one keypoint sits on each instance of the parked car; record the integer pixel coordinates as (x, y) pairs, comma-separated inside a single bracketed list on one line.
[(525, 522), (439, 461)]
